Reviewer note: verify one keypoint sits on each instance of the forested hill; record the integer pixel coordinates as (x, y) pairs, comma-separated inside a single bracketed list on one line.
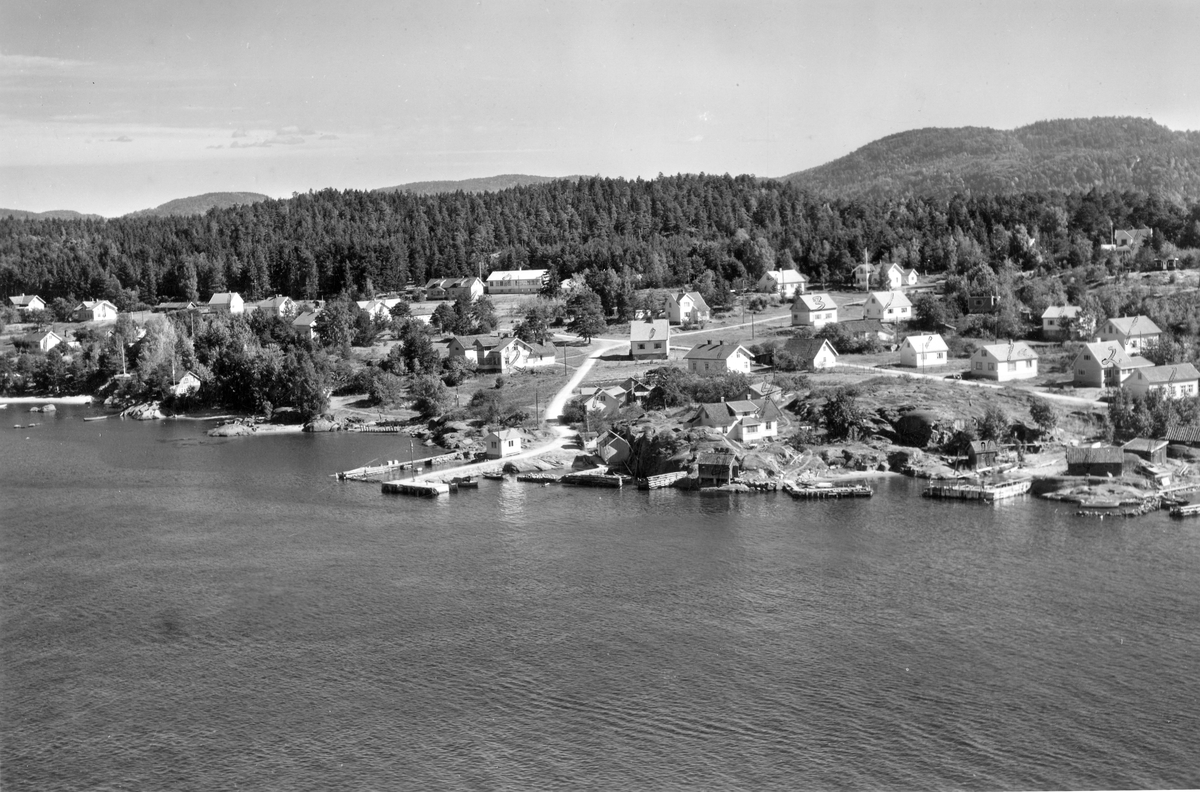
[(1069, 154), (199, 204), (709, 231), (483, 184), (54, 214)]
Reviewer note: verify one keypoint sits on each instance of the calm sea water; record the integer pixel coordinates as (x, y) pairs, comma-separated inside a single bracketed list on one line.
[(186, 613)]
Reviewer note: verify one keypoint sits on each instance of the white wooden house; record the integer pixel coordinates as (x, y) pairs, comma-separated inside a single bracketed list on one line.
[(718, 357), (787, 283), (1105, 364), (226, 302), (650, 340), (888, 306), (94, 311), (920, 351), (1176, 381), (1133, 332), (1003, 362), (814, 310), (688, 308), (500, 443)]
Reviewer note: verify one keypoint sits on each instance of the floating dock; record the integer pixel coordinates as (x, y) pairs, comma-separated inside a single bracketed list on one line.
[(820, 491), (661, 480), (1190, 510), (989, 493), (392, 466), (591, 478), (422, 489)]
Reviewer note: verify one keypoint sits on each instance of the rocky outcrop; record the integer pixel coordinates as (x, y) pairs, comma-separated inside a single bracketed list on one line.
[(528, 466), (322, 424), (231, 430), (43, 408), (143, 412)]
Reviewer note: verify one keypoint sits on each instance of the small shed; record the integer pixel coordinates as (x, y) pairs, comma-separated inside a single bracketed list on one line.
[(981, 454), (1099, 461), (502, 443), (717, 467), (1153, 451)]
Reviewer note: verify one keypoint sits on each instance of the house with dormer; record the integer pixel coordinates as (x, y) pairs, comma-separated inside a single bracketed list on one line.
[(889, 306), (713, 358), (1176, 381), (921, 351), (1004, 362), (688, 308), (1132, 332), (650, 340), (787, 283), (814, 310), (1105, 364)]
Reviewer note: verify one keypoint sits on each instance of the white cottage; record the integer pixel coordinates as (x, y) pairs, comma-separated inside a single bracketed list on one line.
[(920, 351), (888, 306), (814, 310), (1003, 362)]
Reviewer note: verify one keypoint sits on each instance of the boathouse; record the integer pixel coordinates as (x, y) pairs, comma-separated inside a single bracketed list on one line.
[(502, 443), (717, 467), (981, 454), (1099, 461), (1153, 451)]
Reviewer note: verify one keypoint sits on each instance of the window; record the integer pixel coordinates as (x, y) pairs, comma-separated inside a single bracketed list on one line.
[(1087, 357), (991, 366), (1028, 364), (641, 346)]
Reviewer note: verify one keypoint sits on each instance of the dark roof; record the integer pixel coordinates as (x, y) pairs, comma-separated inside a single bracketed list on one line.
[(1183, 434), (806, 348), (1095, 456), (1145, 444), (721, 458), (984, 447)]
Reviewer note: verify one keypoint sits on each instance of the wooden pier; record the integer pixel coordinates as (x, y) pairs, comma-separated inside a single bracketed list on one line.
[(821, 491), (422, 489), (539, 478), (661, 480), (1190, 510), (989, 493), (593, 478), (393, 466)]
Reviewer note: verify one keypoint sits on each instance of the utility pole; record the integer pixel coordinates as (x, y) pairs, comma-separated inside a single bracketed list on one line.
[(412, 466)]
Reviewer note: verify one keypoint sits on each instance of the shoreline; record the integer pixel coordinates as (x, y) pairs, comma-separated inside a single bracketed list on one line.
[(80, 400)]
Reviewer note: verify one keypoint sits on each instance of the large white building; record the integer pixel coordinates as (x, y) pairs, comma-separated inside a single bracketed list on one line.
[(516, 281)]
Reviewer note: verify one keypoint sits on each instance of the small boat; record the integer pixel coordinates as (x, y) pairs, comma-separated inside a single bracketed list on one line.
[(494, 476), (470, 482)]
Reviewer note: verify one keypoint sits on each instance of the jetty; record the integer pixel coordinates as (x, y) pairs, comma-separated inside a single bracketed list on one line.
[(539, 478), (422, 489), (822, 490), (661, 480), (981, 491), (392, 466), (593, 478), (1188, 510)]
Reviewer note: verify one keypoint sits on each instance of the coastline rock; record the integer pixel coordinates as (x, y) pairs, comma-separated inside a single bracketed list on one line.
[(143, 412), (322, 425), (43, 408), (231, 430)]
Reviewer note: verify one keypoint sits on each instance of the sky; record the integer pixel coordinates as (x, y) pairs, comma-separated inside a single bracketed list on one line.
[(110, 107)]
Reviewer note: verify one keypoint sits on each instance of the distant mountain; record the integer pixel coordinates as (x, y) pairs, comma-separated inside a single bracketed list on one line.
[(199, 204), (1069, 154), (485, 184), (55, 214)]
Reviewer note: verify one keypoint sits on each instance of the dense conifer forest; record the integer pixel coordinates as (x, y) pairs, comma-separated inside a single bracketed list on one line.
[(664, 232)]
